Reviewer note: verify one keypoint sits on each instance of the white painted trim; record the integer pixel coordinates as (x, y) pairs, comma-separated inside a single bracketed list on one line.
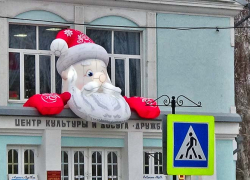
[(126, 71), (152, 135), (92, 134), (123, 56), (31, 51), (53, 74), (151, 64), (143, 64), (20, 132), (228, 129), (112, 71), (21, 76), (232, 32), (37, 74), (225, 136), (233, 109)]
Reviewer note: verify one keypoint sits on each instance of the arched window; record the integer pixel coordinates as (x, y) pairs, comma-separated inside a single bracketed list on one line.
[(12, 161), (29, 162), (125, 52), (152, 160), (90, 163), (112, 166), (21, 160), (79, 165), (65, 165), (31, 65)]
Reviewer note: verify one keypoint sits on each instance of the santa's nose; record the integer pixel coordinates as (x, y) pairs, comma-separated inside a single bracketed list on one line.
[(99, 76)]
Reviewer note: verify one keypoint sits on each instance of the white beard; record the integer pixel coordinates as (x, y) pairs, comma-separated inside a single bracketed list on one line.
[(97, 104)]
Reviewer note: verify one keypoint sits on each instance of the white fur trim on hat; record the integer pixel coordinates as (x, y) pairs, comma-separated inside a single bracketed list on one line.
[(80, 53)]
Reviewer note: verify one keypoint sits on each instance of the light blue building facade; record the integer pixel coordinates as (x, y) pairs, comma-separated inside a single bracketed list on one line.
[(176, 53)]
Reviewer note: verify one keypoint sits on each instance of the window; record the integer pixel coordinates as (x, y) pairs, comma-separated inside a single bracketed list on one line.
[(152, 160), (21, 160), (90, 164), (124, 48), (31, 65)]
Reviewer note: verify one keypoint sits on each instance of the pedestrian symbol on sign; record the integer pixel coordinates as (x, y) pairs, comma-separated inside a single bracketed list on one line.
[(191, 144), (191, 148)]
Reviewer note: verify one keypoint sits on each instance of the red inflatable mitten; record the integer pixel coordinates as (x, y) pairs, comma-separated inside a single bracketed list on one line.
[(48, 104), (139, 104)]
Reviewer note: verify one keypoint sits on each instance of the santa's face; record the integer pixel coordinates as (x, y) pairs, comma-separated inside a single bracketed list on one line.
[(94, 70), (87, 71), (93, 97)]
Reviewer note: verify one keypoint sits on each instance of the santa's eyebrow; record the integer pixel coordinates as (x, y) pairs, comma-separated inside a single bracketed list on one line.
[(86, 63)]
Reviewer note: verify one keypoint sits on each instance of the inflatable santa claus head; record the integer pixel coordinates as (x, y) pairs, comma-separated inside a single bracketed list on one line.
[(82, 65)]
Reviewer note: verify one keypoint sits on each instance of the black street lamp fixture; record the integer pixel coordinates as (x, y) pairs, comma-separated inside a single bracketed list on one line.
[(179, 102)]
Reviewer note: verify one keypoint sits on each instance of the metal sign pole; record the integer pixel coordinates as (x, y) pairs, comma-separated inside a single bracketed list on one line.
[(173, 103)]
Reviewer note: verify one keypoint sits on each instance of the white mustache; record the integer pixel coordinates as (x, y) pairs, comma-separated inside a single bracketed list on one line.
[(106, 88), (92, 86)]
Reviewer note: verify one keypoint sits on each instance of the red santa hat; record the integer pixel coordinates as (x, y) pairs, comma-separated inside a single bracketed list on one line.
[(73, 46)]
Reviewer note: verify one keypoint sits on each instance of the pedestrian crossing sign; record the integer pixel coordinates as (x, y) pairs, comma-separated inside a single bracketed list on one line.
[(190, 144)]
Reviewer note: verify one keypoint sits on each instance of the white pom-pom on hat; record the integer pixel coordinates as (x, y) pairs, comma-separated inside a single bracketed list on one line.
[(59, 47)]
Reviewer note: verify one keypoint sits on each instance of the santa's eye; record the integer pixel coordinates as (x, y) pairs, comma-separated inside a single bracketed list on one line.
[(89, 73)]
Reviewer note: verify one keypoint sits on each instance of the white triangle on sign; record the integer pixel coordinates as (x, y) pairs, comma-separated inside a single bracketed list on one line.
[(191, 148)]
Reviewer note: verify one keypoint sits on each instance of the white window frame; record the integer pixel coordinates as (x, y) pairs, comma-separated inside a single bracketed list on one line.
[(21, 150), (151, 159), (88, 161), (118, 154), (37, 53), (124, 57)]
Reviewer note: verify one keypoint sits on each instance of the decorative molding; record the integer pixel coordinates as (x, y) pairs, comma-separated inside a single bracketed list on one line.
[(209, 7), (93, 134), (20, 132), (15, 8), (93, 13)]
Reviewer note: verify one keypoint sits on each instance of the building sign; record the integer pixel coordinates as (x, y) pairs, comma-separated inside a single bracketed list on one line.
[(190, 145), (53, 175), (22, 177), (77, 124), (154, 177)]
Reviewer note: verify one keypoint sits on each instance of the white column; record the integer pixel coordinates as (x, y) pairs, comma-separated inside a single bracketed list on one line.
[(151, 56), (133, 156), (4, 43), (49, 153), (79, 18)]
